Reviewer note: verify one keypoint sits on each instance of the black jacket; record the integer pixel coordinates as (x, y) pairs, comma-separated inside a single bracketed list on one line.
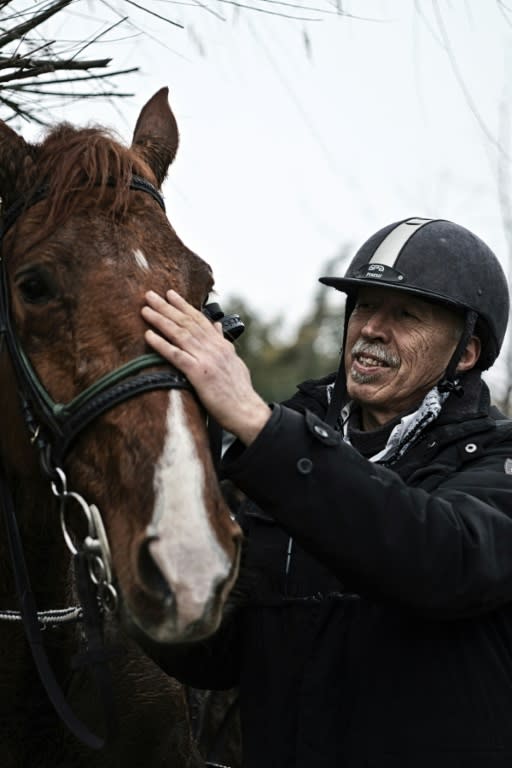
[(380, 636)]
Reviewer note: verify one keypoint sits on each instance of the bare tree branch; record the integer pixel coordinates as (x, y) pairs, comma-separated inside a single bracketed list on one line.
[(99, 35), (462, 84), (27, 54), (74, 79), (43, 67), (152, 13), (21, 30)]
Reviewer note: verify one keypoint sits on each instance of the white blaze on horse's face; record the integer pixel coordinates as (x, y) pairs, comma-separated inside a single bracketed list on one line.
[(140, 260), (183, 542)]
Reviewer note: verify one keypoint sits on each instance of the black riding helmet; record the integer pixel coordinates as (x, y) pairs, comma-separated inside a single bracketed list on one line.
[(441, 262)]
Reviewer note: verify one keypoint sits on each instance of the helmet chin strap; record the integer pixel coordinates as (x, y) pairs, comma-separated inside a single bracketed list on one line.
[(450, 382), (340, 385)]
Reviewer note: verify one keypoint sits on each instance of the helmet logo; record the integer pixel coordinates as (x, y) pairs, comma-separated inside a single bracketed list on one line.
[(379, 272)]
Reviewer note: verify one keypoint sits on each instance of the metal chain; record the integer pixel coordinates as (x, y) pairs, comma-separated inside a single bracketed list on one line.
[(94, 544)]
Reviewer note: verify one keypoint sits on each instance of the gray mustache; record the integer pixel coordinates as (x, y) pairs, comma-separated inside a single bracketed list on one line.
[(376, 351)]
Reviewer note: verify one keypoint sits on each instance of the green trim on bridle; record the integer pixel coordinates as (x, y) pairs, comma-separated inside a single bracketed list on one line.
[(62, 411)]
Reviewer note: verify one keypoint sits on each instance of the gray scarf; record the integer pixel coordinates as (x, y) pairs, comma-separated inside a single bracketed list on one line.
[(403, 434)]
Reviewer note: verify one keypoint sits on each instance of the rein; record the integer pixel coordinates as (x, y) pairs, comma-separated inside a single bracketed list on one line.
[(53, 427)]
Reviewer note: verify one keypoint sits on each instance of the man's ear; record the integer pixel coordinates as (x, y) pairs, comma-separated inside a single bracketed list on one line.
[(470, 355)]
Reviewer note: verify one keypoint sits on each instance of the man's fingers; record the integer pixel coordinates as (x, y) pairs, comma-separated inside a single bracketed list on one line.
[(157, 302), (179, 357), (188, 337), (188, 311), (158, 320), (174, 298), (167, 310), (179, 310), (172, 338), (180, 322), (188, 340)]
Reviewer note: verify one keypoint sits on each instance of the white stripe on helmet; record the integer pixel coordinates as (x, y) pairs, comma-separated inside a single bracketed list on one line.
[(390, 248)]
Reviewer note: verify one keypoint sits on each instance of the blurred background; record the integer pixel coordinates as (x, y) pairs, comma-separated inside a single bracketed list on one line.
[(305, 127)]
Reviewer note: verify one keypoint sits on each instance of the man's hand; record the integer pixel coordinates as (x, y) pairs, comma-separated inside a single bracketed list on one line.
[(188, 340)]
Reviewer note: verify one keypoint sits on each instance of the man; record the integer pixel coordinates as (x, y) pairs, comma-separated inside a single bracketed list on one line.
[(376, 630)]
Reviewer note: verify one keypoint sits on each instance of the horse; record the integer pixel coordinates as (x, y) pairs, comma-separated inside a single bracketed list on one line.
[(104, 453)]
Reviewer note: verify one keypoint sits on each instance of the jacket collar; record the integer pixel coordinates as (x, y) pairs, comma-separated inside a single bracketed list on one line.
[(312, 394), (459, 415)]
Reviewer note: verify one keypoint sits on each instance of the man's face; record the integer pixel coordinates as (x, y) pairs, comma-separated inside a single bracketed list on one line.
[(397, 349)]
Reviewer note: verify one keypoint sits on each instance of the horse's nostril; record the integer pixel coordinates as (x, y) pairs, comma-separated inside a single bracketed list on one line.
[(150, 574)]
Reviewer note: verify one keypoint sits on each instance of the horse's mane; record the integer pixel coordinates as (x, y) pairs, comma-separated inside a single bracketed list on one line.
[(82, 159)]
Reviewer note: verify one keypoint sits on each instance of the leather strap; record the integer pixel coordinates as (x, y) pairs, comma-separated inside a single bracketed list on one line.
[(33, 634)]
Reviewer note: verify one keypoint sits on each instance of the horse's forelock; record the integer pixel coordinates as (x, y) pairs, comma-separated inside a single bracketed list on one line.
[(71, 160)]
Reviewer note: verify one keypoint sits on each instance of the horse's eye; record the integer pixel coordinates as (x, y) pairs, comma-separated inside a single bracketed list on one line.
[(36, 287)]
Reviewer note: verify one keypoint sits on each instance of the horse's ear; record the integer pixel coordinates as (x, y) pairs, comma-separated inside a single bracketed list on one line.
[(15, 163), (155, 137)]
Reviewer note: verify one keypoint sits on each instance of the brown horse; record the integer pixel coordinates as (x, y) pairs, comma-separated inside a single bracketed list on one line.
[(85, 238)]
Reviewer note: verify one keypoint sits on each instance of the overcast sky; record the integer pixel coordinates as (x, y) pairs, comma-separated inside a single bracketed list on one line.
[(300, 137)]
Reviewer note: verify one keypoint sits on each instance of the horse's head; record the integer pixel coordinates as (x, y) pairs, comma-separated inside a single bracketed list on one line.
[(79, 257)]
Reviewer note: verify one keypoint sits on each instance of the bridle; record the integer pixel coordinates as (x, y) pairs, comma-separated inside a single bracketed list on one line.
[(62, 422), (53, 427)]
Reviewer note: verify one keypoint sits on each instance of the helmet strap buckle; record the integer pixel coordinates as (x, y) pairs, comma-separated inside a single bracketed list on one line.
[(452, 386)]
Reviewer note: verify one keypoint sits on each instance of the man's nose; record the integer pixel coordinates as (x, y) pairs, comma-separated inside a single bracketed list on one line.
[(377, 326)]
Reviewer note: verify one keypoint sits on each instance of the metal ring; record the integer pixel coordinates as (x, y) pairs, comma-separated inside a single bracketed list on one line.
[(102, 541), (63, 524), (64, 482), (108, 597), (97, 569)]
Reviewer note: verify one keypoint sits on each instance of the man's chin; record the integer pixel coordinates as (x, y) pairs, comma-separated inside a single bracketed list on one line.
[(375, 378), (370, 391)]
